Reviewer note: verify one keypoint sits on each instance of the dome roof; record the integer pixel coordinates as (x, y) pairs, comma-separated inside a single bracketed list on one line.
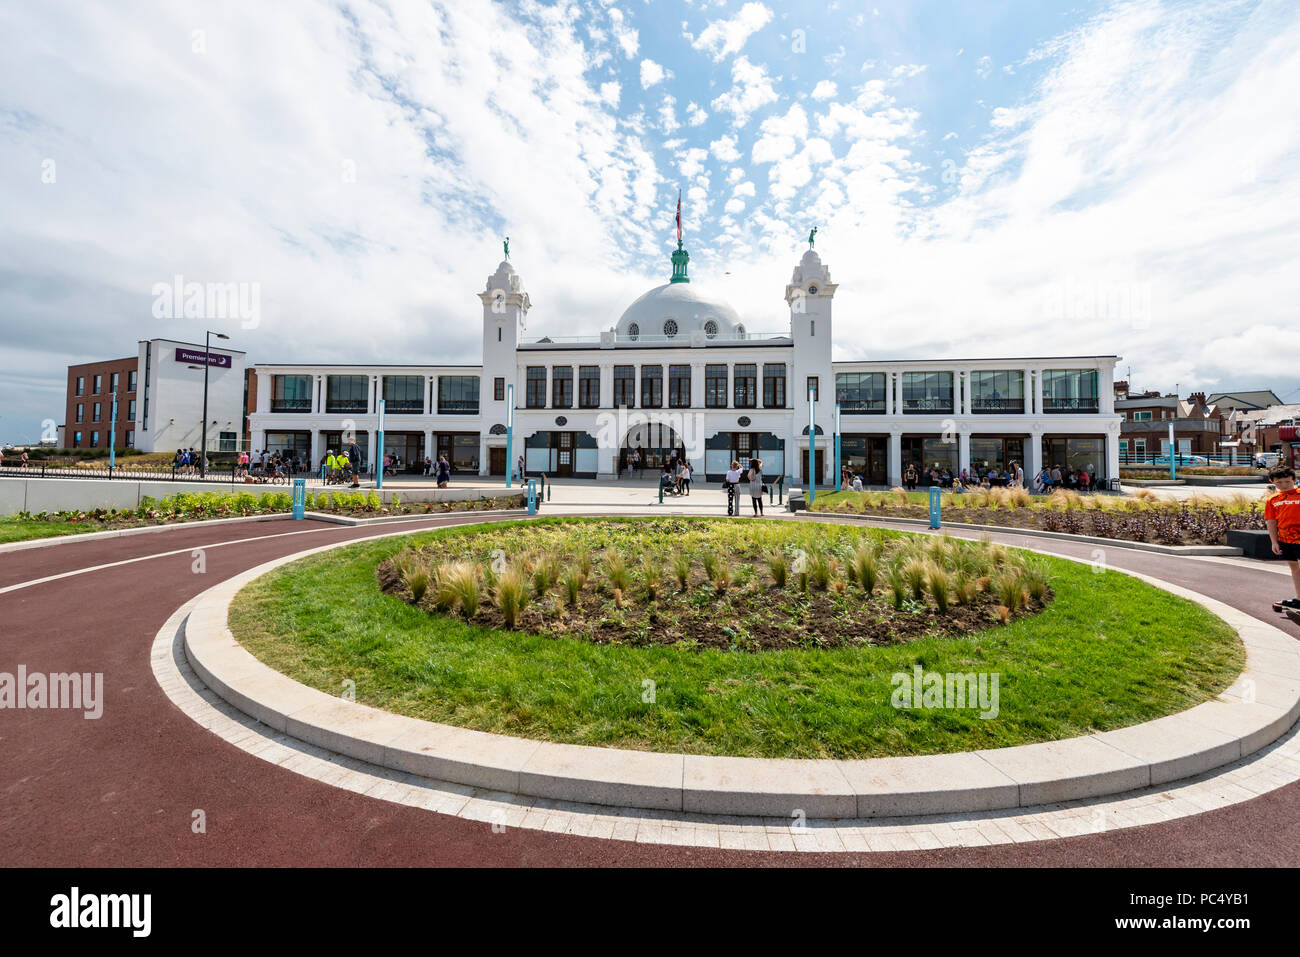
[(683, 304)]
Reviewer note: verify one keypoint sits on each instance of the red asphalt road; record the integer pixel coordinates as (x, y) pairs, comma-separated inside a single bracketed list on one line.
[(120, 790)]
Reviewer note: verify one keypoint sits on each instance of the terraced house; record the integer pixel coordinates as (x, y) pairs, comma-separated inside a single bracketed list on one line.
[(683, 369)]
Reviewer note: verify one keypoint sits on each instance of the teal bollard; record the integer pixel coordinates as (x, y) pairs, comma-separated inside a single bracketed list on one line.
[(934, 506), (532, 496), (299, 498)]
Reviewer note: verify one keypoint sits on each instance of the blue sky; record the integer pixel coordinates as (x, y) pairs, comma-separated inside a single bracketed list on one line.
[(988, 179)]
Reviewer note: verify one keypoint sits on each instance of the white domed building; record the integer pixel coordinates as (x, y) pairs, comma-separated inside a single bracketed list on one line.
[(682, 369)]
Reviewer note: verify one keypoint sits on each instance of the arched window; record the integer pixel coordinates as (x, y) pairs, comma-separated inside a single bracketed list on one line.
[(670, 328), (740, 331), (711, 329), (634, 331)]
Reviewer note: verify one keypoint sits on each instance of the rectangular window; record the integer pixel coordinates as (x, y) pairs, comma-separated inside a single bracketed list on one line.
[(347, 393), (81, 385), (1000, 391), (715, 386), (130, 381), (1070, 390), (130, 438), (624, 387), (81, 412), (1141, 416), (652, 387), (927, 392), (774, 385), (562, 387), (76, 440), (94, 440), (499, 389), (679, 387), (95, 413), (814, 389), (536, 395), (589, 387), (148, 359), (746, 385), (457, 394), (99, 384), (131, 410), (291, 393), (226, 442), (112, 381), (860, 393), (404, 394)]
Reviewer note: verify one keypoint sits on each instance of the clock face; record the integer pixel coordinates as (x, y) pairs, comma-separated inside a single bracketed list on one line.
[(812, 290)]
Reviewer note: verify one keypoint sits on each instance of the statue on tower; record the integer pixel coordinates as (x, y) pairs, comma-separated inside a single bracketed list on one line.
[(506, 244), (811, 237)]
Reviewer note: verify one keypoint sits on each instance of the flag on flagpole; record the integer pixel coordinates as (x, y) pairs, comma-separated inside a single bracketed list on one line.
[(679, 217)]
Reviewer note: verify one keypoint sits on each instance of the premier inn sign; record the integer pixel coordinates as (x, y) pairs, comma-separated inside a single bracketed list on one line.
[(191, 355)]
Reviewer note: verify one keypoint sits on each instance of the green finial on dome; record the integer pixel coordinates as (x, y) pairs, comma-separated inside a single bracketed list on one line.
[(680, 258)]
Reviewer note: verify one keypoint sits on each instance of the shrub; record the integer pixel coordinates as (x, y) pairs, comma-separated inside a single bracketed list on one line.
[(819, 570), (396, 500), (865, 565), (1004, 614), (583, 561), (373, 502), (512, 595), (963, 588), (710, 562), (723, 576), (1010, 589), (778, 566), (573, 581), (652, 575), (897, 585), (937, 581), (1035, 582), (914, 572), (616, 570), (417, 579), (681, 569), (545, 573)]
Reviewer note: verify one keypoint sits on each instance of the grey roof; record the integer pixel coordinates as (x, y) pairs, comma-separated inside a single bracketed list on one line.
[(1277, 413), (1256, 399), (1150, 402)]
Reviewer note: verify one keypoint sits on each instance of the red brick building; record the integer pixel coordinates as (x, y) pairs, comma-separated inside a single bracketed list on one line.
[(89, 413)]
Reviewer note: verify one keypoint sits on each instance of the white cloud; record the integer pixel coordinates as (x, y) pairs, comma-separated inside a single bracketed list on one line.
[(735, 174), (667, 115), (735, 206), (907, 71), (696, 114), (652, 73), (724, 37), (950, 135), (724, 149), (751, 89), (624, 34), (825, 90), (692, 163), (983, 66), (743, 189), (610, 92)]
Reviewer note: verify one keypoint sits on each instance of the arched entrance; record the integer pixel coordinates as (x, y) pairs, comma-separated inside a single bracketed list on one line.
[(655, 440)]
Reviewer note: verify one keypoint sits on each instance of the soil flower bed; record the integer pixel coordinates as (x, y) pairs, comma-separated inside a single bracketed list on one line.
[(713, 587), (756, 670), (1142, 517)]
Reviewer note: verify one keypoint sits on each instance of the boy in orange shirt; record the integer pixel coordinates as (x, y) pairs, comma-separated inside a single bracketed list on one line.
[(1282, 516)]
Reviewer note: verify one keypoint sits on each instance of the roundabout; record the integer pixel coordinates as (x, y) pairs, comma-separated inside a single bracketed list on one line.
[(261, 781)]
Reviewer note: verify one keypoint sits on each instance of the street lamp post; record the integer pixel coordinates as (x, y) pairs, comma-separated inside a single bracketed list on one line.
[(112, 436), (839, 467), (207, 362), (379, 460), (812, 445)]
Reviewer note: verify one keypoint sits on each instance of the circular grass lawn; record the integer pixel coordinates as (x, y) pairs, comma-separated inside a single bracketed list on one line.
[(1106, 651)]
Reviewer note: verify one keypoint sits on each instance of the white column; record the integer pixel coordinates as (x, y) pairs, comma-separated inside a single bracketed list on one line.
[(429, 451), (263, 392), (889, 394), (898, 394), (1106, 391), (966, 402), (607, 386), (1038, 391), (697, 385), (1112, 455), (318, 395), (963, 450), (895, 476), (431, 396), (316, 450), (372, 405), (1033, 458)]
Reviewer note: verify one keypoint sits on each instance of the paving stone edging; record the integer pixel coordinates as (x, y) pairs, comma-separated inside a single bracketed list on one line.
[(1258, 708)]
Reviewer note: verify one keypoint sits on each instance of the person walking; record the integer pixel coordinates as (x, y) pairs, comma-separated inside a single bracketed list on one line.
[(354, 463), (1282, 518), (730, 482), (444, 471), (756, 486), (909, 477), (639, 460), (521, 468), (686, 478)]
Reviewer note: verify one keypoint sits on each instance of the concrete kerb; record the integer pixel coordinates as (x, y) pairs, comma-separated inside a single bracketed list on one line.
[(1257, 709), (145, 530)]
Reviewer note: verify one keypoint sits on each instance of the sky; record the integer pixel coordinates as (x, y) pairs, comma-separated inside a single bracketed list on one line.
[(987, 179)]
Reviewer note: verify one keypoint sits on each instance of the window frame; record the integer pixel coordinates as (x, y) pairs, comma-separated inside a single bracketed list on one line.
[(715, 395), (561, 387), (625, 387), (652, 386), (744, 385), (774, 386), (589, 387), (676, 399), (535, 387)]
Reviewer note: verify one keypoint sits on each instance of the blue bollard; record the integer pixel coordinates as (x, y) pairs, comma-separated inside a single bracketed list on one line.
[(532, 496), (934, 506), (299, 498)]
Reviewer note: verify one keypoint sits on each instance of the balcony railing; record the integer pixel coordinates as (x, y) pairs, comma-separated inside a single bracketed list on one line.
[(863, 407), (346, 405), (404, 406), (291, 405), (458, 406), (1081, 404), (930, 406), (992, 406)]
